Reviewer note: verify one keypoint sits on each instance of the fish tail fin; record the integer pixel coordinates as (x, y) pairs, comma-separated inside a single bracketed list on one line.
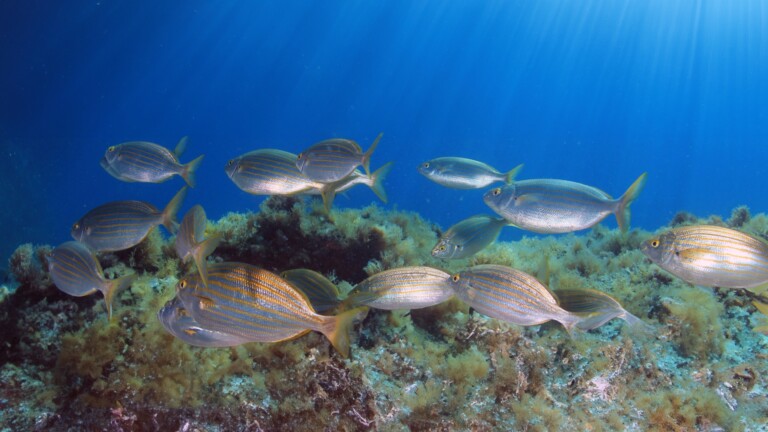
[(328, 193), (378, 177), (168, 216), (339, 327), (513, 173), (188, 172), (181, 146), (113, 286), (636, 325), (202, 251), (367, 155), (622, 212)]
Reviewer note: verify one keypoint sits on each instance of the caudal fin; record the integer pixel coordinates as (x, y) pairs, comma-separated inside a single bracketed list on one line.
[(188, 173), (168, 219), (622, 212), (111, 287), (377, 185), (339, 327), (367, 156), (513, 173)]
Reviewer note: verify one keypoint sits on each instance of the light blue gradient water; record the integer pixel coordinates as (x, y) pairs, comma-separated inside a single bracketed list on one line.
[(589, 91)]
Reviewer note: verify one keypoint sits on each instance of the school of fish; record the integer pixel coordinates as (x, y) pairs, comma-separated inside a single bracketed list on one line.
[(226, 304)]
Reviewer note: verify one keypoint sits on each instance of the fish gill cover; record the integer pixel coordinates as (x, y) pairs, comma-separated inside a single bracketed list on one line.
[(590, 92)]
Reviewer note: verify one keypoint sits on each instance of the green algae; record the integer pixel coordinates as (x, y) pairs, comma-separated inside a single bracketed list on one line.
[(439, 368)]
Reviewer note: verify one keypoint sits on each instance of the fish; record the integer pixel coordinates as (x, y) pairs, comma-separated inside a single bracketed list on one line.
[(510, 295), (321, 292), (468, 237), (76, 271), (269, 172), (334, 159), (146, 162), (402, 288), (119, 225), (549, 206), (178, 322), (463, 173), (190, 241), (260, 306), (710, 256), (596, 309)]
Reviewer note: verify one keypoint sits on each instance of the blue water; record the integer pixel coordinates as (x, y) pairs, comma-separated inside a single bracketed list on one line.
[(590, 91)]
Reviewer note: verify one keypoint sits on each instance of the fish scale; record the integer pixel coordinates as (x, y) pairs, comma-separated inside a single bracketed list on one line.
[(402, 288)]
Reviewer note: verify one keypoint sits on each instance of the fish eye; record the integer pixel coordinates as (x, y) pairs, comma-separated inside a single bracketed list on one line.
[(301, 155), (496, 192), (76, 226), (455, 278), (426, 165), (442, 248), (111, 149), (655, 243), (182, 284), (231, 161)]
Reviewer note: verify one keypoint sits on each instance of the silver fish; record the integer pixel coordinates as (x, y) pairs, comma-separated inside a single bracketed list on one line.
[(259, 306), (558, 206), (321, 293), (468, 237), (374, 181), (269, 172), (76, 271), (597, 308), (334, 159), (463, 173), (120, 225), (178, 322), (402, 288), (191, 242), (710, 256), (510, 295), (146, 162)]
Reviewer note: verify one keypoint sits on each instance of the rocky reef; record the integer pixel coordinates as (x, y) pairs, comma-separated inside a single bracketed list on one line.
[(65, 366)]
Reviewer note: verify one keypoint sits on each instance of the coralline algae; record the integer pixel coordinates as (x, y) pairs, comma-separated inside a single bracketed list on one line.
[(66, 367)]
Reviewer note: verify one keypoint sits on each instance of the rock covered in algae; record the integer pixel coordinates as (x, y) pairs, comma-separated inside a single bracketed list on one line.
[(66, 367)]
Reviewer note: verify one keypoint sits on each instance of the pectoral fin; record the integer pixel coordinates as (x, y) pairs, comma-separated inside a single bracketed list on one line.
[(693, 254)]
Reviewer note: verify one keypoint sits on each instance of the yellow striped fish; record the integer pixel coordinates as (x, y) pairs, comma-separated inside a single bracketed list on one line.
[(146, 162), (269, 172), (190, 241), (334, 159), (510, 295), (710, 256), (468, 237), (550, 206), (402, 288), (321, 293), (259, 306), (120, 225), (597, 308), (76, 271), (177, 321)]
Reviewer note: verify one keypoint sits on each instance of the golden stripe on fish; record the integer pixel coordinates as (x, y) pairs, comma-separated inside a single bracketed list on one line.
[(509, 295), (402, 288), (710, 256), (120, 225), (76, 271), (259, 306)]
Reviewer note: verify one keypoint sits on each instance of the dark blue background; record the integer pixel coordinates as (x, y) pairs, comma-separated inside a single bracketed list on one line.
[(590, 91)]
